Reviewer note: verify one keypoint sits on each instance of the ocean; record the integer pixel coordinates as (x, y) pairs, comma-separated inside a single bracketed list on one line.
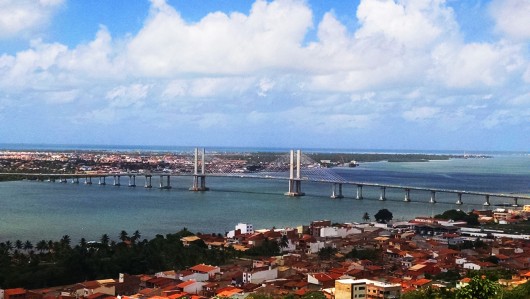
[(32, 210)]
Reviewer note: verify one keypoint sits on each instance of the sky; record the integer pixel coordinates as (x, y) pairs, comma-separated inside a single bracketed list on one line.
[(368, 74)]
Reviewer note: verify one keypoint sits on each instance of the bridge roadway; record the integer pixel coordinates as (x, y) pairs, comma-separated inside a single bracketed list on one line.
[(274, 176)]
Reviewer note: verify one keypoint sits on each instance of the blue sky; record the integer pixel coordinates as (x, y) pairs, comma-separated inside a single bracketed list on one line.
[(410, 74)]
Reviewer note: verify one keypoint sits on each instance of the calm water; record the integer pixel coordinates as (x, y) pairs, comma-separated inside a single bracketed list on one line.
[(31, 210)]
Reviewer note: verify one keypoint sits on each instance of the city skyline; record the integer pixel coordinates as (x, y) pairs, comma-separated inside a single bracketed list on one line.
[(405, 74)]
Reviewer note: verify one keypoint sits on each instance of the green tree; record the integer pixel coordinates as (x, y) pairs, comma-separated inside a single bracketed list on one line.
[(479, 287), (366, 217), (383, 216)]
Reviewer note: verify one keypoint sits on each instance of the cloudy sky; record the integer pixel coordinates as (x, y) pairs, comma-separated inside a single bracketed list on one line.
[(369, 74)]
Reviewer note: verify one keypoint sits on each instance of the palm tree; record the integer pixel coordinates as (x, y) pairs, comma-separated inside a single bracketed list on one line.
[(83, 243), (65, 241), (28, 245), (18, 244), (366, 217), (42, 245), (136, 235), (9, 245), (124, 236), (105, 239)]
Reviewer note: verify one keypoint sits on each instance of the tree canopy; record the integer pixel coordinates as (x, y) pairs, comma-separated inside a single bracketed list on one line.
[(383, 216)]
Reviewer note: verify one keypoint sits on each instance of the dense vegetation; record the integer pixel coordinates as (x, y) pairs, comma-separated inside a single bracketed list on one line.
[(51, 263), (480, 287), (458, 215)]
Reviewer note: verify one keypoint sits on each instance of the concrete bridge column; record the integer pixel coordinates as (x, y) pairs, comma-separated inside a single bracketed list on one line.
[(62, 180), (199, 179), (132, 181), (433, 197), (51, 179), (382, 196), (459, 201), (148, 181), (515, 204), (168, 184), (487, 203), (295, 183), (102, 180), (407, 195), (75, 180), (334, 193), (359, 194), (117, 180), (88, 180)]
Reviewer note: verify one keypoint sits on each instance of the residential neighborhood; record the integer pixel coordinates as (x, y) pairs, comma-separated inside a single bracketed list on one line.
[(336, 260)]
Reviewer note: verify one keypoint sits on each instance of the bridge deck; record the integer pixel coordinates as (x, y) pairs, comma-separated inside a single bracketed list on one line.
[(272, 176)]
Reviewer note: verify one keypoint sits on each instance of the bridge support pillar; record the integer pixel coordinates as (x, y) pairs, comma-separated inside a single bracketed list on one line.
[(132, 181), (62, 180), (88, 180), (359, 194), (515, 204), (382, 195), (75, 180), (295, 183), (459, 201), (148, 181), (199, 179), (487, 203), (334, 193), (117, 180), (102, 180), (407, 195), (168, 182), (433, 197)]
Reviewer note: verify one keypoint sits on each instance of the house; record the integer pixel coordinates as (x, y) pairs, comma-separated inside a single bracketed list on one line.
[(259, 275), (365, 288), (205, 269), (323, 280), (191, 286)]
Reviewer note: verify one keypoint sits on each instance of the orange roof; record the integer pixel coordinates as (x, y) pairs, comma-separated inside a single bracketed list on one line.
[(422, 281), (229, 293), (178, 295), (203, 268), (186, 283), (465, 280), (17, 291), (322, 277)]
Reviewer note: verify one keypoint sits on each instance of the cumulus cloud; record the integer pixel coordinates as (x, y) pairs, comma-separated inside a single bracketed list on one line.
[(405, 58), (270, 36), (22, 17), (512, 18)]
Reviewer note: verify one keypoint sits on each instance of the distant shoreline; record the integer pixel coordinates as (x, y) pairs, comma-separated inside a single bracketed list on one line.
[(236, 149)]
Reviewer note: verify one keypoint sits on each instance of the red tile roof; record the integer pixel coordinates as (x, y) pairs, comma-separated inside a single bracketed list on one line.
[(203, 268)]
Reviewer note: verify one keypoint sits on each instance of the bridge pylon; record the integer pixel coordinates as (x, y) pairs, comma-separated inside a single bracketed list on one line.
[(199, 178), (295, 183)]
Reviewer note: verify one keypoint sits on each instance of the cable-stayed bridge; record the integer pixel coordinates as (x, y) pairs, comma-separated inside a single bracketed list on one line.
[(294, 167)]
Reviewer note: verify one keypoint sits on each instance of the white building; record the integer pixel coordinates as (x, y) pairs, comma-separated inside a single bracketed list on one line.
[(245, 228), (332, 231), (260, 275)]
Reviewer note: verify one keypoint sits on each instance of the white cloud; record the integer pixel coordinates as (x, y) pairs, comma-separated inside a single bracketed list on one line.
[(22, 17), (512, 17), (475, 64), (128, 96), (421, 113), (270, 36), (264, 86)]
